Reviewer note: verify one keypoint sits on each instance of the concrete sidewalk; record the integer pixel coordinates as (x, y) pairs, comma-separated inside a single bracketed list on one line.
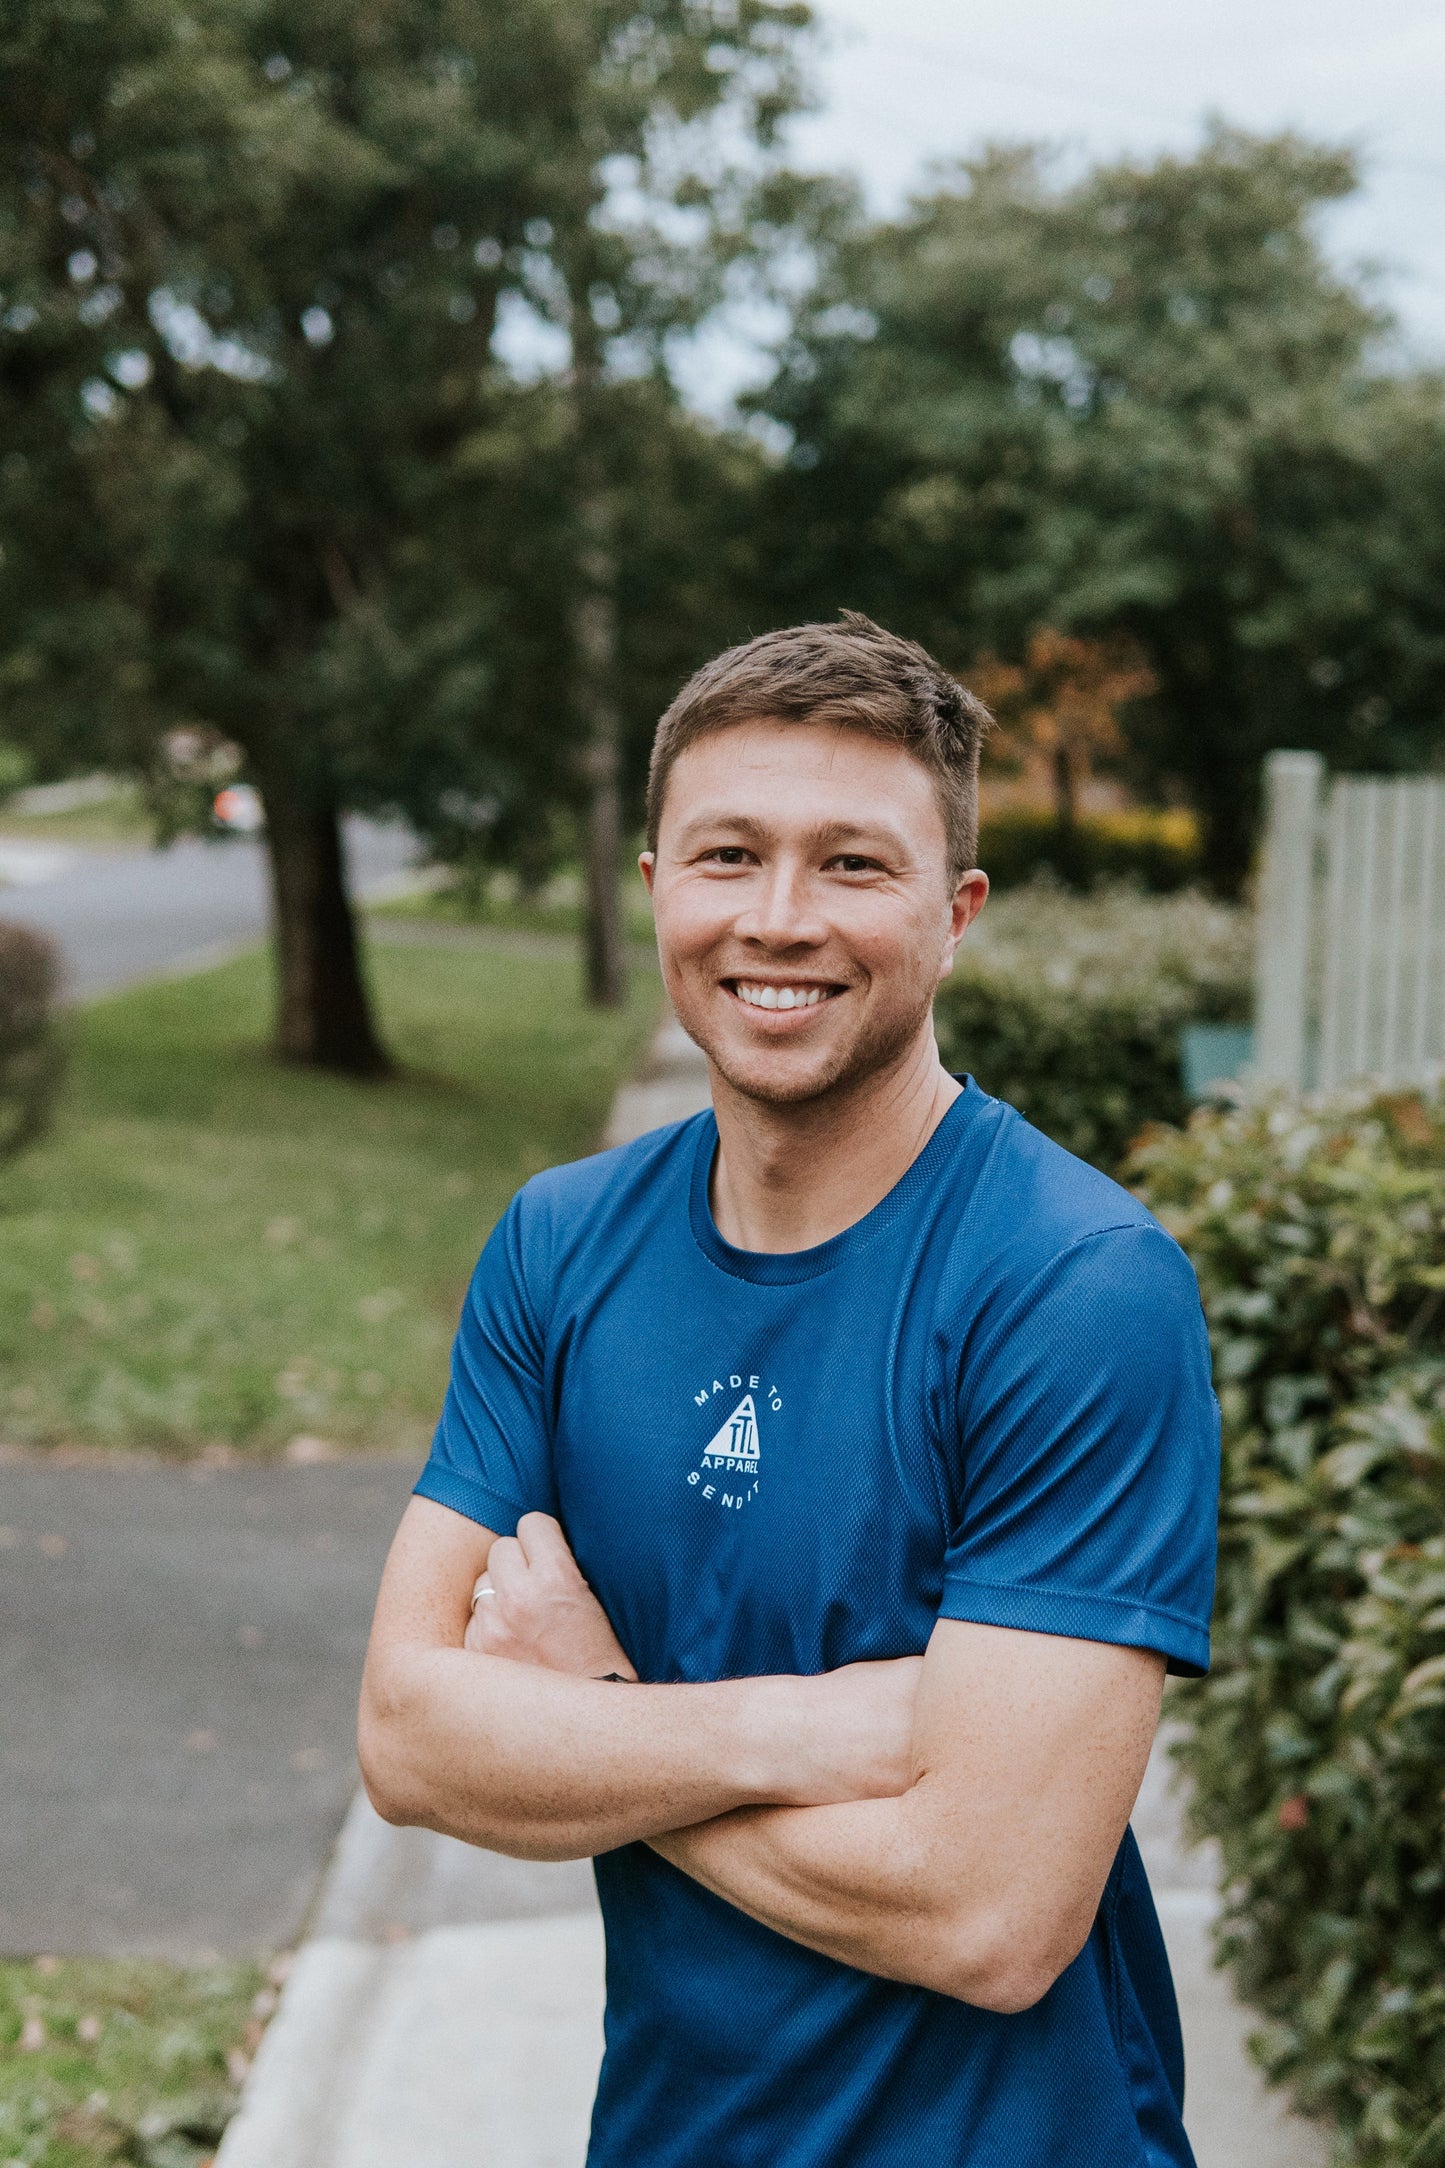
[(446, 2011)]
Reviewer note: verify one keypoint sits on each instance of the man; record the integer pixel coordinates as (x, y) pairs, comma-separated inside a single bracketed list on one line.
[(750, 1415)]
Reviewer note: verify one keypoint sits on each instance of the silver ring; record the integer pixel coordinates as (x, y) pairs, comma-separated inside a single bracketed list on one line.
[(478, 1593)]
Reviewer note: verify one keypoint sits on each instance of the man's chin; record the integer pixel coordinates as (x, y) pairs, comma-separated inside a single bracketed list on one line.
[(793, 1076), (776, 1083)]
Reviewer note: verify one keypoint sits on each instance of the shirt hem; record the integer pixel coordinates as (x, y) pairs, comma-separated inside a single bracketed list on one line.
[(476, 1501), (1111, 1619)]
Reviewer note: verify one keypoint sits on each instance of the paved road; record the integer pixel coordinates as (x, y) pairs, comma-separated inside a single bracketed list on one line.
[(121, 916), (180, 1650)]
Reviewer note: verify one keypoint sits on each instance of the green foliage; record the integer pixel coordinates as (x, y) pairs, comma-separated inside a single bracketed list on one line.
[(122, 2060), (15, 770), (1316, 1747), (263, 469), (1071, 1007), (32, 1057), (1157, 851), (1140, 402), (212, 1247)]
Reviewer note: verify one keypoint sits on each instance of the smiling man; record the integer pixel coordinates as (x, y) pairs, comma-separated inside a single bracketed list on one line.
[(824, 1487)]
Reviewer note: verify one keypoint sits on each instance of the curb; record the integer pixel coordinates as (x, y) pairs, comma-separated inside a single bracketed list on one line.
[(406, 2040), (445, 2005)]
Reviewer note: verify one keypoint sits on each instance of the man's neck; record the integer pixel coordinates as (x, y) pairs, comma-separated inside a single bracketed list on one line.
[(790, 1177)]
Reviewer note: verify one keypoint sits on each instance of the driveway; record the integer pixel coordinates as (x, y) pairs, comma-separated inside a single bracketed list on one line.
[(121, 916), (180, 1651)]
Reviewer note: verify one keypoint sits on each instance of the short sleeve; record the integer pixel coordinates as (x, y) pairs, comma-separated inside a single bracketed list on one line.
[(1089, 1434), (491, 1456)]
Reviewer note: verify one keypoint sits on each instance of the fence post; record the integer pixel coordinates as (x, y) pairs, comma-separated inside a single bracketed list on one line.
[(1286, 898)]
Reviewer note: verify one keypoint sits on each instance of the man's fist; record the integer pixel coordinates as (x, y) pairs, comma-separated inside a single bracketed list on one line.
[(533, 1606)]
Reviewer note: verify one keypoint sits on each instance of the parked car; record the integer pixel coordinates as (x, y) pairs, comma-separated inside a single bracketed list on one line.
[(237, 809)]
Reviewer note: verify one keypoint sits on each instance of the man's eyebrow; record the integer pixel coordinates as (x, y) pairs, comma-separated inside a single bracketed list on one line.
[(840, 835)]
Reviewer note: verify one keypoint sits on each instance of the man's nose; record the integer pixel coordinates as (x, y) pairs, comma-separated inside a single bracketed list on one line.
[(782, 910)]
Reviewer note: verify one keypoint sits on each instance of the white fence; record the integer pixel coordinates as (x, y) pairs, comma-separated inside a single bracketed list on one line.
[(1350, 973)]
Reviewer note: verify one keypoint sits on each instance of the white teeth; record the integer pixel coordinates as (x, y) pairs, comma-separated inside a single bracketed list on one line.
[(779, 997)]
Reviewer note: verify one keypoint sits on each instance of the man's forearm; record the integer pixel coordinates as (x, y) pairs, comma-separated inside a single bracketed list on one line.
[(866, 1882), (547, 1766), (891, 1886)]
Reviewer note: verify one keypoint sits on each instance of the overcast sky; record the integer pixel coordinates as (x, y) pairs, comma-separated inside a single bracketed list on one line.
[(906, 80)]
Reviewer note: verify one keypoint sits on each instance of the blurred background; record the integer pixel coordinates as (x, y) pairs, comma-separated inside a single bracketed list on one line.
[(397, 402)]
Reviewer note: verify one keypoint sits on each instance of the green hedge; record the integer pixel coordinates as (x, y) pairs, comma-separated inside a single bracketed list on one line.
[(14, 770), (1071, 1007), (1155, 850), (1316, 1748), (32, 1055)]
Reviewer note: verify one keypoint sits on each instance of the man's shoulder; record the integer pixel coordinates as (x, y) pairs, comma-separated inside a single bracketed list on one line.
[(560, 1203), (1035, 1202)]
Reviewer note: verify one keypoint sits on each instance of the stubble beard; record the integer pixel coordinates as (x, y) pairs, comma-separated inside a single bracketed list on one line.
[(879, 1046)]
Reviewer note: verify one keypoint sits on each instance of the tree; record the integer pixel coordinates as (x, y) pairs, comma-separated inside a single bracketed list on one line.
[(621, 283), (1059, 709), (253, 256), (1138, 405)]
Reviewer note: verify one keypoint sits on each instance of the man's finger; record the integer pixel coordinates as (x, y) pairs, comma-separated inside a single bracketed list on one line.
[(506, 1564), (542, 1540)]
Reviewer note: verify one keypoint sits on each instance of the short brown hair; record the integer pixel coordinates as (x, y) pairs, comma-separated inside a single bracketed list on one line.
[(852, 674)]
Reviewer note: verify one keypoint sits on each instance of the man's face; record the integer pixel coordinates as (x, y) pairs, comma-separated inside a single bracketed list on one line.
[(805, 909)]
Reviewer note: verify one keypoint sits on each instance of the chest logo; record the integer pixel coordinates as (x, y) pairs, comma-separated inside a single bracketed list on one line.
[(727, 1473), (736, 1444)]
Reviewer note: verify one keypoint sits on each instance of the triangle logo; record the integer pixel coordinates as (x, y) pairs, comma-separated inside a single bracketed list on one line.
[(737, 1440)]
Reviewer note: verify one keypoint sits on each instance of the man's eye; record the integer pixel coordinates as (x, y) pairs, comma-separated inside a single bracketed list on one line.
[(727, 854), (850, 862)]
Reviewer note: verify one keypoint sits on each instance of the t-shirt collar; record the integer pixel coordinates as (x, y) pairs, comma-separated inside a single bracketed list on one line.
[(783, 1267)]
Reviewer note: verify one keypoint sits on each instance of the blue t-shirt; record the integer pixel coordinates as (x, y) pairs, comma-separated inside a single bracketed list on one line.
[(989, 1399)]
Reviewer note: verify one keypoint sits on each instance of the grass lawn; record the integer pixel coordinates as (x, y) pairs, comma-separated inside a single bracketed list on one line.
[(210, 1248), (106, 2060), (556, 909), (115, 822)]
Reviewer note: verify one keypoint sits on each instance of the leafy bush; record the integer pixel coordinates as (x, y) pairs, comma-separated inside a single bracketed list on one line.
[(31, 1057), (1158, 851), (1317, 1746), (14, 770), (1071, 1007)]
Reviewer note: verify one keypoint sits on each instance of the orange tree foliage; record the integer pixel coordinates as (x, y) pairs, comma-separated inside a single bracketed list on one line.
[(1058, 710)]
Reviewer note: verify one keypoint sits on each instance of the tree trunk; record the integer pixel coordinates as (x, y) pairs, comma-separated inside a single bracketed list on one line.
[(1066, 810), (323, 1010), (594, 650), (1215, 742), (1227, 800), (595, 662)]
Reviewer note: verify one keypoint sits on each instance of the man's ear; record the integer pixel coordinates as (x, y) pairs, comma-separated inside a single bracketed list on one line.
[(647, 866), (969, 899)]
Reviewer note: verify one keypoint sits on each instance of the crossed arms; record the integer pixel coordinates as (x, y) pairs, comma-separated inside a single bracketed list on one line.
[(949, 1821)]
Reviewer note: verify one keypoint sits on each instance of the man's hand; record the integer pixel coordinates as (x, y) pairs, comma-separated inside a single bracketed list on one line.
[(533, 1606), (853, 1727), (545, 1763)]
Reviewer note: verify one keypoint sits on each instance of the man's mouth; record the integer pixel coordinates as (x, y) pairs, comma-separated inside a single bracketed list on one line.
[(781, 994)]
